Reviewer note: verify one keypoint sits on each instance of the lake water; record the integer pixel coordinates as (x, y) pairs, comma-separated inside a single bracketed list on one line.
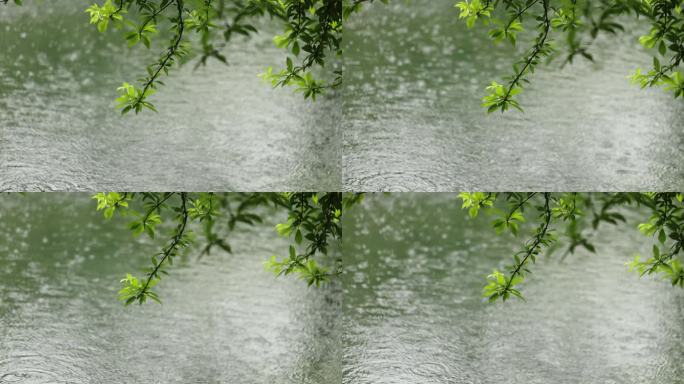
[(411, 120), (407, 118), (413, 312), (224, 318), (407, 310), (218, 128)]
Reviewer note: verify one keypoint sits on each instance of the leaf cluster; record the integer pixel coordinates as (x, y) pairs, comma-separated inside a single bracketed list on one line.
[(578, 23), (313, 224), (312, 30), (315, 220), (569, 220)]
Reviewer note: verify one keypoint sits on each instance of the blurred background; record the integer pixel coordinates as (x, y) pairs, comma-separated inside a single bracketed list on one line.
[(218, 128), (224, 318), (413, 313), (412, 120)]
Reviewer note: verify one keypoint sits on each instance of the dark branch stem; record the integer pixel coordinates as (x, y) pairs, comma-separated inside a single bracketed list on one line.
[(519, 14), (535, 243), (508, 218), (153, 16), (172, 246), (171, 51), (541, 40), (156, 206)]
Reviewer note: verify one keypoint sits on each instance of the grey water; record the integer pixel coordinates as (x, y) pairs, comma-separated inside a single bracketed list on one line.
[(224, 318), (407, 309), (218, 127), (415, 266), (411, 119)]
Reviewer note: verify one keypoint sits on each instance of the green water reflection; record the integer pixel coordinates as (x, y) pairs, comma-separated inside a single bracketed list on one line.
[(414, 77), (415, 268), (218, 127), (224, 318)]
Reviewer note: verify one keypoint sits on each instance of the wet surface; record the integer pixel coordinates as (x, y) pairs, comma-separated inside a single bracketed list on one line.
[(218, 128), (414, 77), (413, 312), (224, 319)]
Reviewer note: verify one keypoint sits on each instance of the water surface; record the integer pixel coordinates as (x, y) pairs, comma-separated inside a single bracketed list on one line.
[(224, 318), (218, 128), (414, 77), (415, 269)]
